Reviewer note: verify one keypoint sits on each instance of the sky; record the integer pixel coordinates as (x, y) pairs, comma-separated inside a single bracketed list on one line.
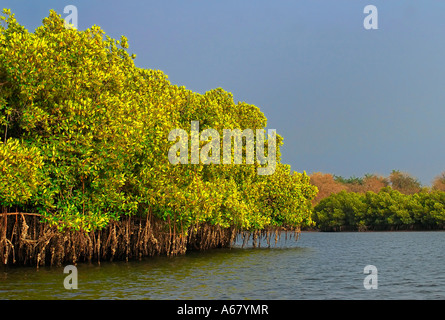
[(347, 100)]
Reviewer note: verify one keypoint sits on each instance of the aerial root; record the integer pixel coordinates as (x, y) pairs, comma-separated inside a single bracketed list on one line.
[(27, 241)]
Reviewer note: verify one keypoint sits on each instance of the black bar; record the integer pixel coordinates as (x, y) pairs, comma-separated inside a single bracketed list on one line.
[(223, 309)]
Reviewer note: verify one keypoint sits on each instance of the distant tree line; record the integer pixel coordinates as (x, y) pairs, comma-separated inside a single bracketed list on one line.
[(373, 202)]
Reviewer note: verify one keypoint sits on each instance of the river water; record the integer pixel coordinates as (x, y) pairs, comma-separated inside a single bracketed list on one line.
[(408, 265)]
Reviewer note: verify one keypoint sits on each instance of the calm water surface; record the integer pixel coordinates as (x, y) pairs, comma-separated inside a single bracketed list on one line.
[(318, 266)]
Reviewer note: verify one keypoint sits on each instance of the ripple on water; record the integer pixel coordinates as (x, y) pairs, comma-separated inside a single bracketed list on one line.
[(318, 266)]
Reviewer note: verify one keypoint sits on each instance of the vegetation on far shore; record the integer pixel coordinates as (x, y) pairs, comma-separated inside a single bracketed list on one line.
[(396, 202)]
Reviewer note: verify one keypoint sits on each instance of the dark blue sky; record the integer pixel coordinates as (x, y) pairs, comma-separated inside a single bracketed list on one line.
[(347, 100)]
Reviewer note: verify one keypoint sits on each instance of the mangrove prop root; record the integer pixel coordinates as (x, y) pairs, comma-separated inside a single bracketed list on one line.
[(24, 240)]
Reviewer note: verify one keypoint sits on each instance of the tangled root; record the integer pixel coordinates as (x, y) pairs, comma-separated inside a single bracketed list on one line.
[(25, 240)]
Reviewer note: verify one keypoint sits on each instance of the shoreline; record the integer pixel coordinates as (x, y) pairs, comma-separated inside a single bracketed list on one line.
[(439, 228), (26, 241)]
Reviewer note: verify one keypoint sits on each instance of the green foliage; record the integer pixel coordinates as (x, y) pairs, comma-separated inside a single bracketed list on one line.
[(339, 209), (19, 174), (86, 139), (388, 209), (350, 180)]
